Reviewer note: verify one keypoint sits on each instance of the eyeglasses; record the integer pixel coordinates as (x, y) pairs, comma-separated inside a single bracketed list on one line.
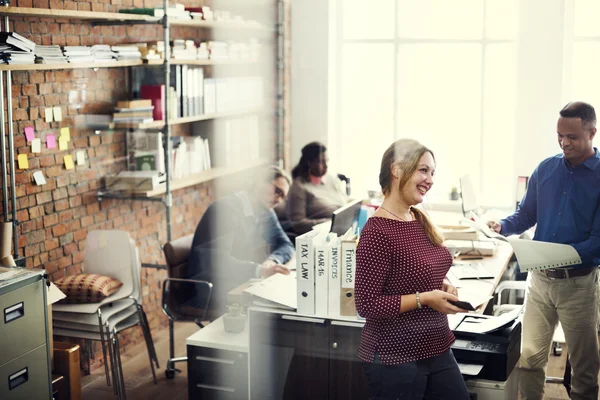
[(278, 192)]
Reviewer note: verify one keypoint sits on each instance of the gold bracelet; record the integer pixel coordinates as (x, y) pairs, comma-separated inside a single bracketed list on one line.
[(418, 301)]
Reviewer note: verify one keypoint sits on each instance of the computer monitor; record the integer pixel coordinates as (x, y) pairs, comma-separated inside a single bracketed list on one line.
[(467, 193), (344, 217)]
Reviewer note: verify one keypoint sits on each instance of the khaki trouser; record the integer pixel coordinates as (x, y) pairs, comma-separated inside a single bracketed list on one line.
[(573, 302)]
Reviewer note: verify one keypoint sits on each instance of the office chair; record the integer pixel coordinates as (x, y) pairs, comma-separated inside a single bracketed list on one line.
[(346, 180), (183, 299)]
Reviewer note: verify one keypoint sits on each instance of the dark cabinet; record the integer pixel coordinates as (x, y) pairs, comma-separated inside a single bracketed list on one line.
[(217, 374), (294, 357)]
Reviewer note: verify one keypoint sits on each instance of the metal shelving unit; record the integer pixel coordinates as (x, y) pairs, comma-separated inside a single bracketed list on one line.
[(105, 18)]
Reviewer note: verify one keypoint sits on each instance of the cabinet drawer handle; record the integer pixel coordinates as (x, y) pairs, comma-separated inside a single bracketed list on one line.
[(213, 387), (334, 345), (14, 312), (215, 360), (351, 324), (303, 319), (18, 378)]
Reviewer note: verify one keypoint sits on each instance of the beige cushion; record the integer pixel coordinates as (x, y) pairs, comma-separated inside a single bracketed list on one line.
[(87, 288)]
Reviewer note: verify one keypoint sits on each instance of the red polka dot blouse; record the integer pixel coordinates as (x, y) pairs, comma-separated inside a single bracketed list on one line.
[(394, 258)]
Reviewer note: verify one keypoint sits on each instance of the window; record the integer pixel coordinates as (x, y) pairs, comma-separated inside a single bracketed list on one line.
[(442, 72)]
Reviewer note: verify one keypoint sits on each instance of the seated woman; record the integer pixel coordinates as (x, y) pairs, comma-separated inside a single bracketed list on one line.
[(314, 194)]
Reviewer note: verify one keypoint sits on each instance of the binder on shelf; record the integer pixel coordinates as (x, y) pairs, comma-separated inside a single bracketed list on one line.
[(305, 272), (322, 248), (347, 303), (335, 280)]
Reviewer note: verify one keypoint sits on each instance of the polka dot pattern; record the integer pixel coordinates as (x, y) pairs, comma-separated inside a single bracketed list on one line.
[(394, 258)]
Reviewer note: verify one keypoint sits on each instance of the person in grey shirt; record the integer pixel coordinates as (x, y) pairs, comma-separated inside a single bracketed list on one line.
[(239, 237), (314, 194)]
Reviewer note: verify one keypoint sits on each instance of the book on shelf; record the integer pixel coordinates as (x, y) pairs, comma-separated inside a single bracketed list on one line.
[(135, 104), (16, 40), (135, 181), (156, 94)]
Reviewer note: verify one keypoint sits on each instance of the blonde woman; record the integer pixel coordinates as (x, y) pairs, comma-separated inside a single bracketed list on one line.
[(401, 288)]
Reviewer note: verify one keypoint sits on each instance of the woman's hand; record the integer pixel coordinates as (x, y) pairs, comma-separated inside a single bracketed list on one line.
[(448, 288), (438, 300)]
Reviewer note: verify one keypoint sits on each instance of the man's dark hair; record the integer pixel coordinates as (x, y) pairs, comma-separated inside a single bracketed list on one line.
[(579, 109)]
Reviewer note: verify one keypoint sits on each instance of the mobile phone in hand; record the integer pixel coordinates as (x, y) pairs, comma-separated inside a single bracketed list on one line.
[(462, 304)]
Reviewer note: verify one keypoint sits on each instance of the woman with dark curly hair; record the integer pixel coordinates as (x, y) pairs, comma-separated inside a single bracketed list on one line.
[(314, 194)]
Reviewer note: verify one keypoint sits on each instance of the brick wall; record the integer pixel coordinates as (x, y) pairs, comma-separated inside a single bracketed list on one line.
[(55, 218)]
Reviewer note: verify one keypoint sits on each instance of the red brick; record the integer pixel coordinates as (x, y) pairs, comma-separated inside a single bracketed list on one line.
[(51, 244), (50, 220), (43, 197), (23, 215), (59, 230), (61, 205)]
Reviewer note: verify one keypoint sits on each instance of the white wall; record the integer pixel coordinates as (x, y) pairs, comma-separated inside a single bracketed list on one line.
[(539, 82), (310, 83)]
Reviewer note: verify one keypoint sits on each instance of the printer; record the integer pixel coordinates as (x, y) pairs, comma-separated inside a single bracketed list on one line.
[(498, 351)]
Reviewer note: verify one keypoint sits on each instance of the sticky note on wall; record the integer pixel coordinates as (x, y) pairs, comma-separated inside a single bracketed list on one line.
[(51, 141), (57, 113), (65, 133), (80, 155), (48, 112), (23, 162), (29, 133), (39, 178), (36, 145), (69, 162), (62, 144)]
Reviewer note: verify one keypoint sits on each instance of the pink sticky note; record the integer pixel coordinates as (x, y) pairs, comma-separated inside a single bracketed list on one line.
[(29, 133), (51, 141)]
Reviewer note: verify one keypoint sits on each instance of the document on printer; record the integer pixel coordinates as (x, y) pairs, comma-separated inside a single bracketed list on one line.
[(470, 369), (532, 254), (480, 324)]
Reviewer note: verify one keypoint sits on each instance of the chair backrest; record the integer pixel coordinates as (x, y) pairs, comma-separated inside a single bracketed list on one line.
[(109, 253), (183, 300), (177, 254)]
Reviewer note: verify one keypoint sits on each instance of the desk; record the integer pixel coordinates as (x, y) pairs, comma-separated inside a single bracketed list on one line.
[(496, 264), (282, 352)]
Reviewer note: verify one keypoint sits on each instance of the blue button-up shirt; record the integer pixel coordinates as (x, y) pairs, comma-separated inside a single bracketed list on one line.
[(563, 201)]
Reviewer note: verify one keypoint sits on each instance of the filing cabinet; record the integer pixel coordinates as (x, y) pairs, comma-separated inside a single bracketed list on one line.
[(24, 348)]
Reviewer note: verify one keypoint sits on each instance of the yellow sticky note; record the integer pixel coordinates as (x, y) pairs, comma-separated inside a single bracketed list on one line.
[(48, 114), (69, 162), (62, 144), (36, 145), (23, 162), (65, 133), (57, 113)]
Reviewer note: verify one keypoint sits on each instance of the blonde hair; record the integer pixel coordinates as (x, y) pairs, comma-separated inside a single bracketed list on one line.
[(403, 157)]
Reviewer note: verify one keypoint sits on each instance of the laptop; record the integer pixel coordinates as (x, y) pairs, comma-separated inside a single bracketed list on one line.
[(344, 217)]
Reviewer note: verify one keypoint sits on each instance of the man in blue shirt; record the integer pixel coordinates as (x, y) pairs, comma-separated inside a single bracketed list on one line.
[(563, 198), (239, 237)]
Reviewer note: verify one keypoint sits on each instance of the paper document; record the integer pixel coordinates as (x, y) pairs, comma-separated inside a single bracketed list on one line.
[(474, 298), (278, 289), (466, 270), (481, 324), (470, 369), (533, 254)]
